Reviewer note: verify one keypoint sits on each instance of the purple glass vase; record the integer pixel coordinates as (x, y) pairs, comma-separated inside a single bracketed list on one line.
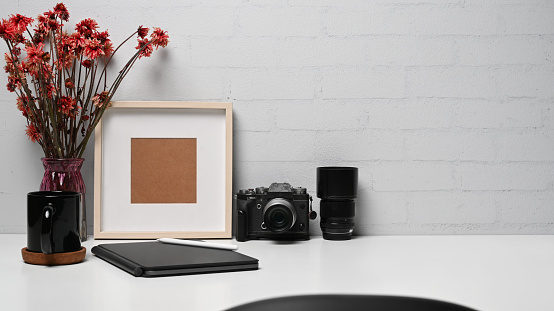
[(65, 175)]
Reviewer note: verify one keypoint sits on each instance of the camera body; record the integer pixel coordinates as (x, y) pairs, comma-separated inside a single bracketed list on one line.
[(279, 212)]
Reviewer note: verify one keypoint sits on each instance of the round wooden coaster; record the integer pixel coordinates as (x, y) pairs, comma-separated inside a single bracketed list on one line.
[(53, 259)]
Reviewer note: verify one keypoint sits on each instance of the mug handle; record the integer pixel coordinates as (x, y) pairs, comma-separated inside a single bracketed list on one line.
[(46, 238)]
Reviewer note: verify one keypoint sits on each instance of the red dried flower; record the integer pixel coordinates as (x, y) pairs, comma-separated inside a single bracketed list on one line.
[(69, 84), (85, 117), (93, 49), (78, 42), (10, 67), (50, 21), (16, 51), (7, 30), (23, 106), (23, 69), (87, 63), (106, 43), (64, 43), (100, 100), (13, 84), (33, 133), (22, 101), (40, 34), (107, 48), (144, 47), (61, 11), (159, 38), (20, 22), (43, 22), (50, 90), (102, 36), (46, 57), (41, 71), (66, 105), (34, 52), (142, 31), (66, 51), (10, 87), (86, 27)]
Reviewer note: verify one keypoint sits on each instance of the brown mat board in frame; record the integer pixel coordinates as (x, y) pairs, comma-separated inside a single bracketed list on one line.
[(163, 170)]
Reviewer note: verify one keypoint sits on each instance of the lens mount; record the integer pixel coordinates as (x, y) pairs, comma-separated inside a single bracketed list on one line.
[(279, 215)]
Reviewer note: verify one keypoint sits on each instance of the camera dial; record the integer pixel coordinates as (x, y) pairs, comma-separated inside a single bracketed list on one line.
[(261, 190), (246, 191), (279, 215)]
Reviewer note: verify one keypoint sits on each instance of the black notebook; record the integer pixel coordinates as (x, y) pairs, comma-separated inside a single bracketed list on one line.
[(151, 259)]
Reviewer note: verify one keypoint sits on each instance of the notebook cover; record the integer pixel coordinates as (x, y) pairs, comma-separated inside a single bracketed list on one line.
[(151, 259)]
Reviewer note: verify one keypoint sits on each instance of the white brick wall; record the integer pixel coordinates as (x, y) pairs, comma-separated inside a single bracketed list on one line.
[(447, 107)]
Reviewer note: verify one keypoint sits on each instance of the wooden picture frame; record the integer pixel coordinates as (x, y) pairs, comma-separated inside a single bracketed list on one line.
[(122, 166)]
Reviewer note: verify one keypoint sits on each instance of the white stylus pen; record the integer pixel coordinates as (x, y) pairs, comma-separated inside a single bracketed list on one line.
[(228, 247)]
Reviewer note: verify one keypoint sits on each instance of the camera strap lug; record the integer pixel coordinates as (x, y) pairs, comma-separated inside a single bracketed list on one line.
[(312, 214)]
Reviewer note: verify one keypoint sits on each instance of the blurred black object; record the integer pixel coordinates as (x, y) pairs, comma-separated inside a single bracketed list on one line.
[(350, 303)]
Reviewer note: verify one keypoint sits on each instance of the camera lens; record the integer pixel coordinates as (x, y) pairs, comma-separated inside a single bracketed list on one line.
[(337, 187), (279, 215)]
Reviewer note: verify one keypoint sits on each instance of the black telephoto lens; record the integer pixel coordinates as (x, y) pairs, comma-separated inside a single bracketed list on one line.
[(337, 187)]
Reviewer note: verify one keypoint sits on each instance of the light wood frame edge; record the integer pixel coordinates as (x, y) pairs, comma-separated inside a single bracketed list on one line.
[(227, 233)]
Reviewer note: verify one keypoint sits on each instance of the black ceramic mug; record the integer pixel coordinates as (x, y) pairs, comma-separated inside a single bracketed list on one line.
[(53, 222)]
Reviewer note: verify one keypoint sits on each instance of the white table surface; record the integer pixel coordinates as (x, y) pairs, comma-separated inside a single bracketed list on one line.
[(487, 273)]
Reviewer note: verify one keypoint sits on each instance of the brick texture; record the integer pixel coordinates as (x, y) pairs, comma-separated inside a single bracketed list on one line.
[(447, 107)]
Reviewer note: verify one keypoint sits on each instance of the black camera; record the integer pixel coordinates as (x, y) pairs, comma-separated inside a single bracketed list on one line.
[(277, 212)]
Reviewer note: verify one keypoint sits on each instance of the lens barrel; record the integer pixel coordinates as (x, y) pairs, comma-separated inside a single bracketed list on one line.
[(337, 187), (279, 215)]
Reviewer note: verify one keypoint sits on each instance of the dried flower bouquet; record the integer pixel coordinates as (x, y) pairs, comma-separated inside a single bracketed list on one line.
[(60, 78)]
